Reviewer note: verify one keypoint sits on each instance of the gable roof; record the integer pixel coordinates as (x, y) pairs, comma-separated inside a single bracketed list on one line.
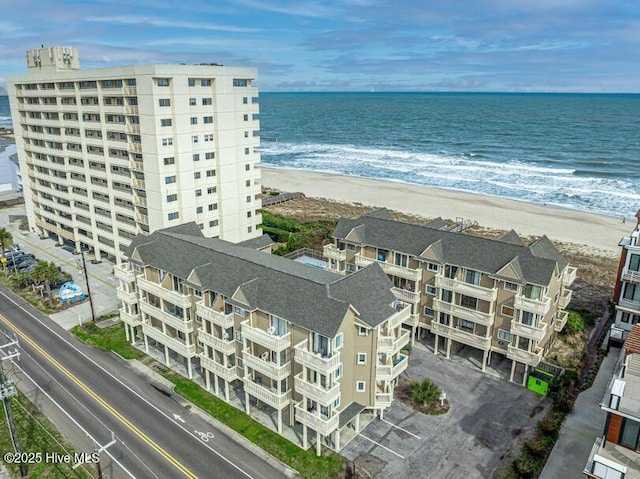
[(315, 299)]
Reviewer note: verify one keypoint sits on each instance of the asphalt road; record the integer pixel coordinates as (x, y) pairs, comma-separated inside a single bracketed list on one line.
[(103, 395)]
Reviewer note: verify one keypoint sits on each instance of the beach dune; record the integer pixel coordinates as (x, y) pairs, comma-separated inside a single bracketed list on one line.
[(559, 224)]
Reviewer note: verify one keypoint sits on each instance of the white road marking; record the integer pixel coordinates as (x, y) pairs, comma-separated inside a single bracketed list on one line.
[(402, 429), (380, 445)]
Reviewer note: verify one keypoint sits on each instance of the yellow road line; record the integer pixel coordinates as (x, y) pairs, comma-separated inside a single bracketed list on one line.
[(99, 400)]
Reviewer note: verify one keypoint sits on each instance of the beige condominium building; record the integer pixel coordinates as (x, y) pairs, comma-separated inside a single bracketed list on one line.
[(108, 153), (496, 296), (315, 348)]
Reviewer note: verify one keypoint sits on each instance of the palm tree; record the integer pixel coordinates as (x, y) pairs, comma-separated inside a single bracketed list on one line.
[(47, 273), (6, 239), (424, 392)]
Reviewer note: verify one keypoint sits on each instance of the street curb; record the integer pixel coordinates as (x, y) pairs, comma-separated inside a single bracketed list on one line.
[(234, 435)]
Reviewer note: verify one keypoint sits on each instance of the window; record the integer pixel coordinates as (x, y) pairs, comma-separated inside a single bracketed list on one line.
[(472, 277), (531, 291), (468, 302), (170, 161), (240, 82), (210, 155), (446, 295), (192, 102), (428, 311), (523, 343), (634, 262), (213, 223), (430, 289), (362, 331), (167, 141), (507, 310), (631, 292), (164, 101), (205, 82), (169, 180), (191, 81), (245, 100), (445, 318), (200, 226), (194, 138), (247, 183), (432, 267), (239, 311), (339, 341), (213, 206), (238, 336), (338, 372), (208, 137), (211, 173), (450, 271), (248, 199), (360, 386), (630, 433), (194, 120), (196, 157), (162, 81), (245, 117), (207, 101), (173, 216), (207, 119), (401, 260), (211, 190), (196, 175), (528, 318), (199, 210), (173, 197), (362, 358), (248, 214), (465, 325), (510, 286), (246, 152), (198, 192), (249, 229), (504, 335)]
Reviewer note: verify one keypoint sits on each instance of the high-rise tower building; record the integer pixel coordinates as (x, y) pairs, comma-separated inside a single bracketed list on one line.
[(109, 153)]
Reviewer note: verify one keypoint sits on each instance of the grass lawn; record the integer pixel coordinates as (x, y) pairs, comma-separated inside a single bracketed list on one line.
[(307, 463)]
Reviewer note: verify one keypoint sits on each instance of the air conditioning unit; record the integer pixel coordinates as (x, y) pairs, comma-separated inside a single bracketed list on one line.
[(265, 356), (226, 337), (271, 331)]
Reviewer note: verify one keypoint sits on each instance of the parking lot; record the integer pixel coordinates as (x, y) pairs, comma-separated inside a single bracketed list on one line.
[(468, 442)]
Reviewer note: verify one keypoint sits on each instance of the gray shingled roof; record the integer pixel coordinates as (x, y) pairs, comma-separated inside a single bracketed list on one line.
[(537, 261), (312, 298), (511, 237), (257, 243), (436, 223)]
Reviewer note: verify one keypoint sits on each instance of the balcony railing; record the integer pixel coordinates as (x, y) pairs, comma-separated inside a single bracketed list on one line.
[(316, 392), (223, 320), (407, 296), (393, 344), (569, 276), (383, 399), (124, 272), (532, 332), (609, 460), (565, 299), (532, 305), (168, 318), (390, 268), (272, 398), (176, 345), (527, 357), (129, 298), (461, 336), (480, 292), (631, 276), (561, 320), (458, 311), (402, 316), (320, 424), (266, 366), (316, 361), (388, 372), (174, 297), (629, 304), (130, 319), (225, 346), (332, 252), (265, 338), (227, 373)]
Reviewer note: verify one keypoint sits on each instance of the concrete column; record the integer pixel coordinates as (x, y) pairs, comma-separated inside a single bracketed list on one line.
[(189, 370), (435, 345), (513, 370), (358, 423), (166, 355), (381, 413), (448, 348), (216, 384), (337, 440), (279, 421), (413, 335), (146, 344), (292, 413), (484, 360), (226, 391), (318, 444), (126, 332), (247, 407), (207, 379), (304, 437), (524, 376)]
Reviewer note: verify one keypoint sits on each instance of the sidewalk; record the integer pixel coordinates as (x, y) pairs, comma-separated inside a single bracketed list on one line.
[(583, 425)]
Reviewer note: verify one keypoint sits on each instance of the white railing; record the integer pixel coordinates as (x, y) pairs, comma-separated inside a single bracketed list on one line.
[(565, 299), (480, 292), (332, 252), (388, 372), (175, 344), (402, 316), (561, 320), (393, 344), (130, 319), (520, 329), (167, 318), (226, 347), (383, 399), (227, 373), (533, 305), (272, 398), (315, 360), (603, 461), (324, 396), (324, 426), (461, 336), (390, 268), (631, 276), (265, 338), (266, 366), (129, 298), (223, 320), (569, 276), (404, 295), (629, 304), (174, 297), (479, 317), (527, 357)]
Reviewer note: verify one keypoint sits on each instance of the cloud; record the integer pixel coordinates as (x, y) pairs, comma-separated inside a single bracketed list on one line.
[(295, 8), (160, 22)]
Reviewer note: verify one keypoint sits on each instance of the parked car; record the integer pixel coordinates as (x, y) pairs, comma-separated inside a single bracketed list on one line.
[(15, 258), (25, 260), (28, 268)]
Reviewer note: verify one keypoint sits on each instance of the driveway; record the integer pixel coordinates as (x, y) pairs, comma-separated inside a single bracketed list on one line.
[(468, 442)]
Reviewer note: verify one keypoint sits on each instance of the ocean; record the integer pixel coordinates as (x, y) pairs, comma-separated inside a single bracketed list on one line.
[(580, 151)]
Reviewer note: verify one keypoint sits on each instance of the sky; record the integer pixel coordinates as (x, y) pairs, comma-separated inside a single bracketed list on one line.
[(349, 45)]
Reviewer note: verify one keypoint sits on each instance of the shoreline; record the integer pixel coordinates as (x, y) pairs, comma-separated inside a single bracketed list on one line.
[(526, 218)]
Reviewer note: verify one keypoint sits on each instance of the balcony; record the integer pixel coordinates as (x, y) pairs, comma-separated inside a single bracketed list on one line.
[(486, 319), (225, 321), (130, 319), (390, 268), (269, 396), (533, 305), (227, 373), (388, 372), (480, 292), (124, 272), (402, 316), (316, 361), (266, 366), (461, 336), (522, 356), (225, 346), (320, 424), (332, 252), (531, 332), (168, 318), (629, 304), (608, 460), (174, 297), (383, 399), (139, 201), (174, 344), (125, 297), (569, 276), (631, 276), (561, 320), (393, 344), (565, 299), (406, 296), (316, 392), (265, 338)]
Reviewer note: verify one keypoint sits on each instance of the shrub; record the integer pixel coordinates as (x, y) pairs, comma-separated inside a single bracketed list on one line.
[(550, 426), (424, 392), (575, 323)]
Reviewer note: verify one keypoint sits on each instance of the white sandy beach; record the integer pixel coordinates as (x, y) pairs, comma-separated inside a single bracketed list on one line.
[(596, 231)]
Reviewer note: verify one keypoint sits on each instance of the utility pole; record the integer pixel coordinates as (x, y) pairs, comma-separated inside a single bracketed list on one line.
[(7, 391), (86, 278)]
